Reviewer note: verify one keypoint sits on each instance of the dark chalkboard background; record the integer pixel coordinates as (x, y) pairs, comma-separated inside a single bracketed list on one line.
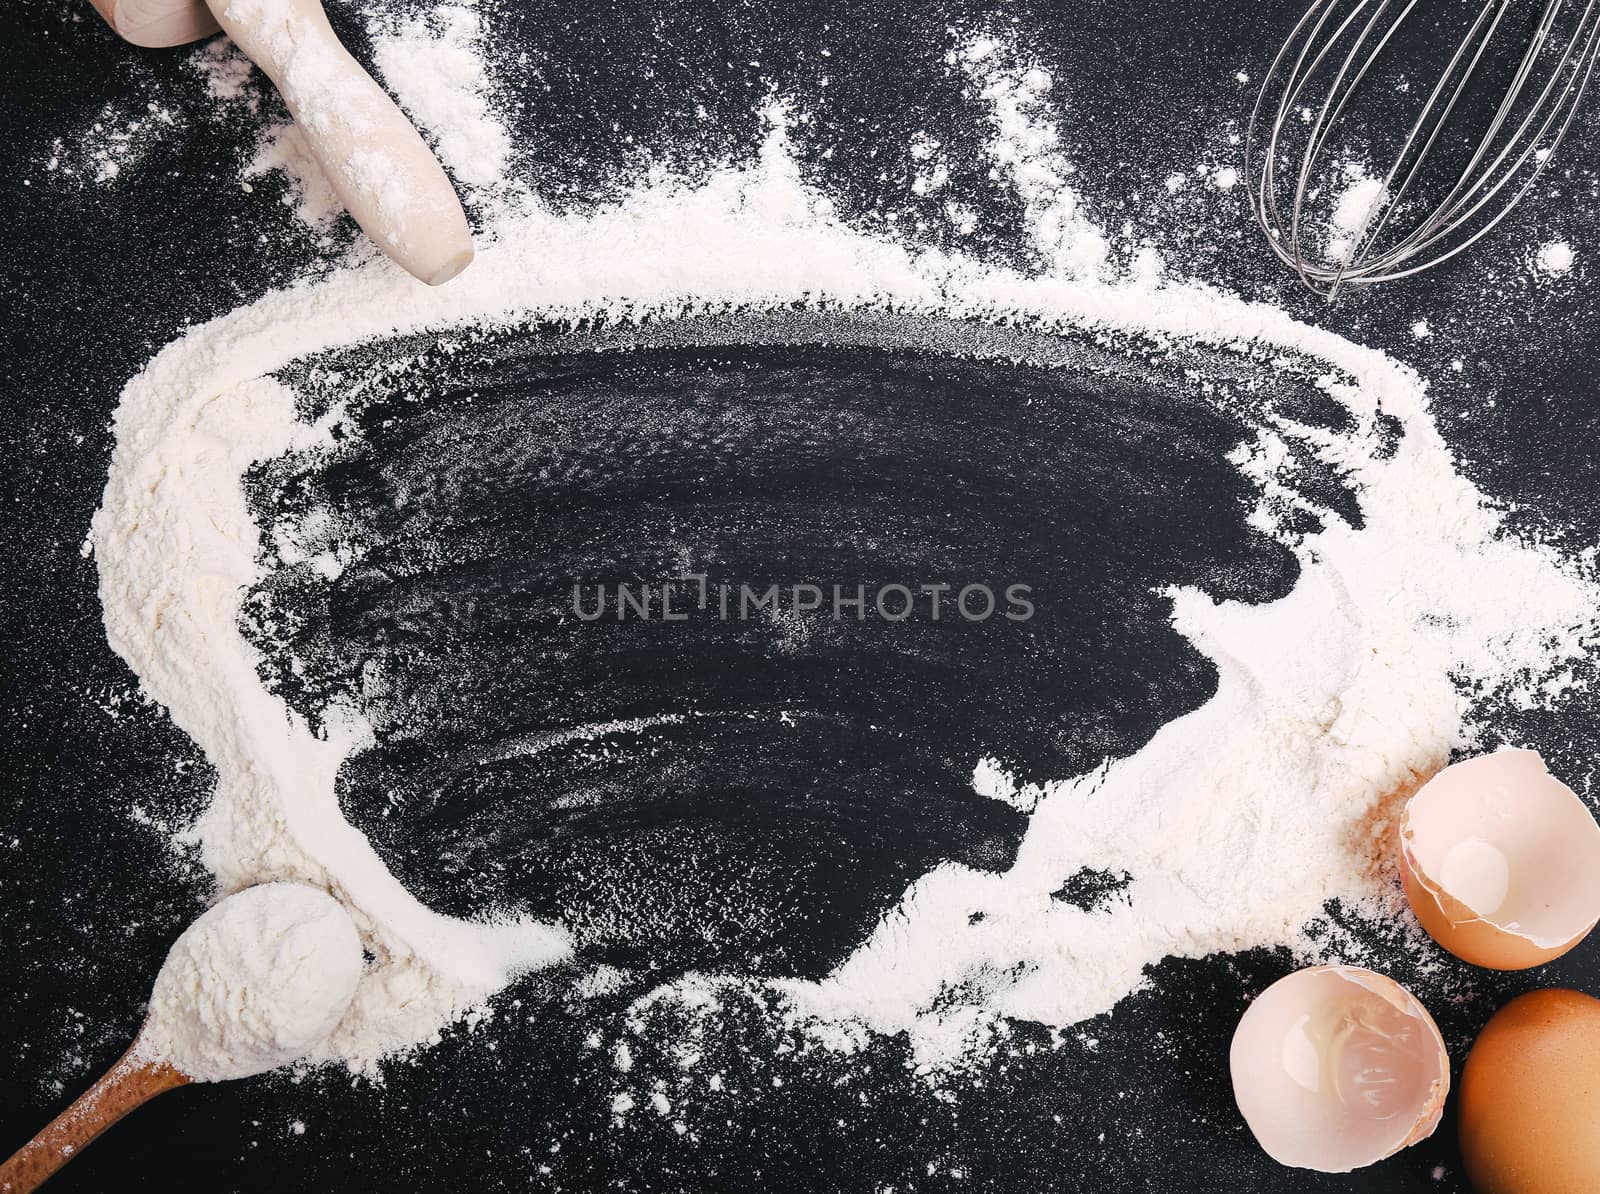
[(95, 279)]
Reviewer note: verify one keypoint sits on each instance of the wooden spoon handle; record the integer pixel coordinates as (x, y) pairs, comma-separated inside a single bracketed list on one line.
[(125, 1086), (380, 167)]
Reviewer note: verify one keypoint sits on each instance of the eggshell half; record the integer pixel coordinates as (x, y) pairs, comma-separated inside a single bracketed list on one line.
[(1501, 861), (1529, 1114), (1336, 1067)]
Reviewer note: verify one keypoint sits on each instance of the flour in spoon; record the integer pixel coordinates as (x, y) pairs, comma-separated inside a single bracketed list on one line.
[(256, 983)]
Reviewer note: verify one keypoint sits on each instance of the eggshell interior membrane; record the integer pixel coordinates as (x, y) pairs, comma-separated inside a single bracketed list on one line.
[(1501, 861), (1336, 1067)]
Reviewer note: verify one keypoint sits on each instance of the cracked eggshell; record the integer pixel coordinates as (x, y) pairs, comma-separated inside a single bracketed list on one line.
[(1336, 1067), (1501, 861)]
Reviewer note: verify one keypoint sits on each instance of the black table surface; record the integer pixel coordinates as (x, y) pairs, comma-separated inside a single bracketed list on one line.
[(95, 279)]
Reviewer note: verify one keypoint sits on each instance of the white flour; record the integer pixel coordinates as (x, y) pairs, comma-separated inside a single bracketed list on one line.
[(1236, 823), (1555, 258), (1027, 148), (253, 984), (229, 75), (114, 141), (435, 65), (282, 147), (1361, 198)]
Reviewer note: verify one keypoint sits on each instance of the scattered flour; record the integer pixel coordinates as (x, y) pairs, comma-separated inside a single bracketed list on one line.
[(1555, 258), (434, 63), (114, 141), (282, 147), (933, 169), (230, 77), (1235, 824), (1358, 203), (256, 983), (1026, 148)]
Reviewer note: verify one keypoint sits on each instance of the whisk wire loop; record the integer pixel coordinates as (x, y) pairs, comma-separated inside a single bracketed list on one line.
[(1313, 82)]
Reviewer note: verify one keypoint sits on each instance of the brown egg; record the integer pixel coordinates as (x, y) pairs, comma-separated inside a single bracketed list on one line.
[(1530, 1098)]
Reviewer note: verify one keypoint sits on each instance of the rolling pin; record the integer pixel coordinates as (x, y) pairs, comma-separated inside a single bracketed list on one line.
[(377, 163)]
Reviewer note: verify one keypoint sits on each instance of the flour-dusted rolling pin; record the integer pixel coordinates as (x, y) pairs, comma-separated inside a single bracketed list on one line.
[(380, 167), (256, 983)]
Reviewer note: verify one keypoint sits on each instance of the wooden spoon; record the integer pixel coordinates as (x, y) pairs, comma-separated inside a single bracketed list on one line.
[(287, 953), (379, 166), (129, 1084)]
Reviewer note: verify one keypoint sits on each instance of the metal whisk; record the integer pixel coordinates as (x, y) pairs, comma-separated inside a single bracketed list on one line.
[(1419, 218)]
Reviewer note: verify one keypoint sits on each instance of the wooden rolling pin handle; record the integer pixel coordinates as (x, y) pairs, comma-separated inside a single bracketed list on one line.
[(158, 23), (378, 164), (127, 1085)]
